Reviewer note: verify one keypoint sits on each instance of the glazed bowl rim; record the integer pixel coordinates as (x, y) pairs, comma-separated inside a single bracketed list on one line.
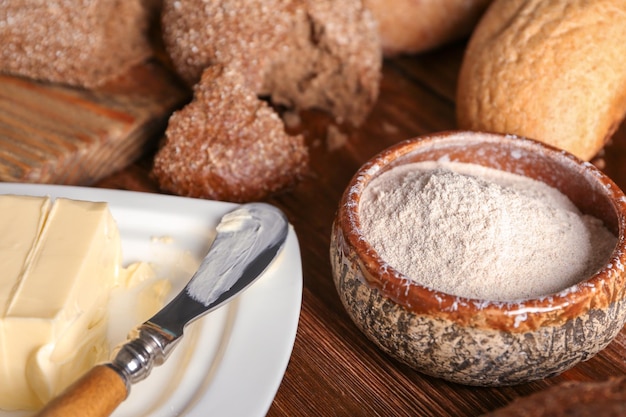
[(519, 315)]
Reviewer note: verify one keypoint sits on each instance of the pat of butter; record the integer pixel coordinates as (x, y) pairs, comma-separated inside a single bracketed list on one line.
[(59, 266)]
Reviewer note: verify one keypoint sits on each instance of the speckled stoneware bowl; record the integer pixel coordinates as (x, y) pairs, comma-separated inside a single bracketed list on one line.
[(473, 341)]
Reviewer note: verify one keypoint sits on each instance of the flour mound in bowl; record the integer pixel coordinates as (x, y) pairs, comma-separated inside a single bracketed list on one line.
[(478, 232)]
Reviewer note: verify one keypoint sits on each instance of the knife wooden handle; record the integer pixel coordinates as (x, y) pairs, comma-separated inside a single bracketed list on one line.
[(96, 394)]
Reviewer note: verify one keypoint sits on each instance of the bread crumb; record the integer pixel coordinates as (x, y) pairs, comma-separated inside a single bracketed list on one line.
[(390, 128), (335, 138)]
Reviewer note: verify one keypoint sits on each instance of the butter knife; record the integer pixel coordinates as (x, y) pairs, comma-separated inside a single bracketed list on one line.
[(247, 241)]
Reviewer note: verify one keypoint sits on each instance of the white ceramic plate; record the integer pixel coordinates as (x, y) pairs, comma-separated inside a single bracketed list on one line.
[(231, 362)]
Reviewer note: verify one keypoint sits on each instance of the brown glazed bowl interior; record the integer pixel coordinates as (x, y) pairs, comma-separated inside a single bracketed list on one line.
[(409, 321)]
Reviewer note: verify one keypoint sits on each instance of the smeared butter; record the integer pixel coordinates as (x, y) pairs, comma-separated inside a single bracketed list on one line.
[(59, 261)]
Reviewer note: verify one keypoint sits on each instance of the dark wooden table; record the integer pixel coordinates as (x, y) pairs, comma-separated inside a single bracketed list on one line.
[(334, 370)]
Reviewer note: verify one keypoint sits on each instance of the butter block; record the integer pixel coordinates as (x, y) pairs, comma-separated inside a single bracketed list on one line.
[(53, 322), (21, 220)]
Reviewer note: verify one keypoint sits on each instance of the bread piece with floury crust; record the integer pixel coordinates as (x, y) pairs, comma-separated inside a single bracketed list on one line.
[(303, 54), (554, 71), (226, 144), (81, 43)]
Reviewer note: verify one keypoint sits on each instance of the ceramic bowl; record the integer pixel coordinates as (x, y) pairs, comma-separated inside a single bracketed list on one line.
[(474, 341)]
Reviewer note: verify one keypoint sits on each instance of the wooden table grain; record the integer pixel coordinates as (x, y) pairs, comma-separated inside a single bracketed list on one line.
[(334, 369)]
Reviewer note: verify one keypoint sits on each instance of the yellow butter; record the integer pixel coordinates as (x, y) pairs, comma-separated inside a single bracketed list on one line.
[(21, 220), (62, 265)]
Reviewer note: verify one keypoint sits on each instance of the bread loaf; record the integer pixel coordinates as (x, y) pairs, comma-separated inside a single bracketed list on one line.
[(554, 71), (410, 26), (84, 43), (227, 144), (302, 54), (573, 399)]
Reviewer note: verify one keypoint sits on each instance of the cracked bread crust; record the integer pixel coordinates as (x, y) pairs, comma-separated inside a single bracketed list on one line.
[(335, 65)]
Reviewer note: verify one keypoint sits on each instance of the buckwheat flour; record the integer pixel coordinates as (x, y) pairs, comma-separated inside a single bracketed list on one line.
[(481, 233)]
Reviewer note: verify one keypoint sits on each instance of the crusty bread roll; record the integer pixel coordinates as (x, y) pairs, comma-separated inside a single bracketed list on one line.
[(227, 144), (549, 70), (84, 43), (412, 26)]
